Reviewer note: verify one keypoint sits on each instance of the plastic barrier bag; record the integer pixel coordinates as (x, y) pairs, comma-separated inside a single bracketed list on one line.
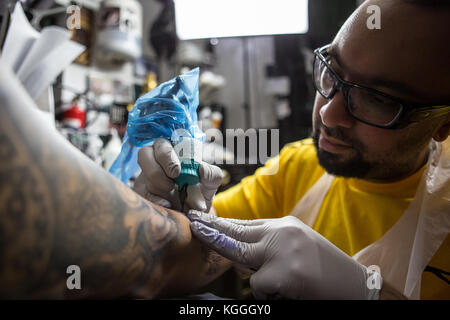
[(168, 111)]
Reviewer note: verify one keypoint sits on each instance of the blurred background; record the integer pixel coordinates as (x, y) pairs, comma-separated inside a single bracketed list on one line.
[(255, 60)]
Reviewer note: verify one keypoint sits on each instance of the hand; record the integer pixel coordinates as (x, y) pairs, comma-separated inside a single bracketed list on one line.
[(160, 164), (292, 260)]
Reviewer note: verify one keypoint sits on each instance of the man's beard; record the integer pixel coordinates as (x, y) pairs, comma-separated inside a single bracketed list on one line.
[(358, 162), (353, 166)]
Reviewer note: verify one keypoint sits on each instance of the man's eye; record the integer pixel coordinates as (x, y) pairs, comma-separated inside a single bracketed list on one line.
[(379, 99)]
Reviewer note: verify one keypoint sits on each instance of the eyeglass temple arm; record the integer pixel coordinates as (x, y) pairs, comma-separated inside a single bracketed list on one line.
[(426, 113)]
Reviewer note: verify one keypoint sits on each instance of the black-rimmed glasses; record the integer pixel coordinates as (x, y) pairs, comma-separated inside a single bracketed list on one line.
[(369, 105)]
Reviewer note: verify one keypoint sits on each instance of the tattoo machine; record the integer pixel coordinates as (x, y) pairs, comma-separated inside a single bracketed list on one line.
[(169, 111), (189, 152)]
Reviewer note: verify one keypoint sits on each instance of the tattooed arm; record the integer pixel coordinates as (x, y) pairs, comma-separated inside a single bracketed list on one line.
[(57, 208)]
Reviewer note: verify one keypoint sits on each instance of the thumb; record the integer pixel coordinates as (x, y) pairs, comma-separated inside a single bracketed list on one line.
[(210, 180), (195, 198)]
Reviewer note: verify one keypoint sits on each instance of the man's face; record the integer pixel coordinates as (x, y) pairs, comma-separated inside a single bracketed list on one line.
[(405, 59)]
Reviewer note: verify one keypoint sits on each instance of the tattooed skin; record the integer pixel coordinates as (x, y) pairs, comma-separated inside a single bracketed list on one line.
[(58, 208)]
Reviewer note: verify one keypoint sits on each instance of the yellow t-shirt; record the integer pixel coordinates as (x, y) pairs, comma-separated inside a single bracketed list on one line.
[(354, 213)]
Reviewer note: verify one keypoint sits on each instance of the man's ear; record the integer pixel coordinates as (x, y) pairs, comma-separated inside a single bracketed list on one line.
[(443, 132)]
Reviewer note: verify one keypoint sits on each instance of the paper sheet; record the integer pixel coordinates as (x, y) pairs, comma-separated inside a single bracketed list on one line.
[(19, 39), (50, 39), (37, 57)]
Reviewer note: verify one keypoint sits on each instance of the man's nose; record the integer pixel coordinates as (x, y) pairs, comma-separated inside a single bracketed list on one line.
[(335, 114)]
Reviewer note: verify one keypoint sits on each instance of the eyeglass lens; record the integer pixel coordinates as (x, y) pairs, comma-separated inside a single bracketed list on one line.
[(362, 103)]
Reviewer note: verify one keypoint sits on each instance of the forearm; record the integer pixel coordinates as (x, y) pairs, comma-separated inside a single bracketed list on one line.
[(57, 208)]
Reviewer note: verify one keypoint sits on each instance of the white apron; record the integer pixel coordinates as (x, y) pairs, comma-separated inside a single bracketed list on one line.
[(404, 251)]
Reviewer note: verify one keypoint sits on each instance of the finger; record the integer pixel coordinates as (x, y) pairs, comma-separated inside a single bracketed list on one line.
[(209, 218), (210, 180), (167, 158), (240, 232), (141, 189), (157, 181), (139, 185), (159, 201), (237, 251)]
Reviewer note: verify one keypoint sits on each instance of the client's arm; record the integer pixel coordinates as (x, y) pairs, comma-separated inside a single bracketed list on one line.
[(57, 208)]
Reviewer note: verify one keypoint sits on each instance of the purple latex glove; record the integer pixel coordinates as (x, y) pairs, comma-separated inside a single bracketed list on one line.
[(292, 260)]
